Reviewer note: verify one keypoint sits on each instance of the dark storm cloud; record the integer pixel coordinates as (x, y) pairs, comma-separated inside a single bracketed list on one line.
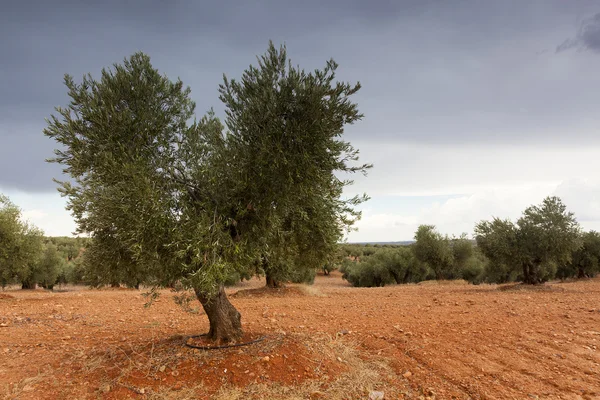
[(432, 71), (587, 38)]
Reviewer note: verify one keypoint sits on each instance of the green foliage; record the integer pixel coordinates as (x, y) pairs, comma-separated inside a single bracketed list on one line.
[(286, 126), (68, 247), (352, 250), (49, 266), (585, 261), (435, 250), (386, 265), (544, 237), (167, 201), (473, 268), (11, 230), (21, 247)]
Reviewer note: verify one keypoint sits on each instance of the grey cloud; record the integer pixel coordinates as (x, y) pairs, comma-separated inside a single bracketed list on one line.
[(587, 38), (432, 71), (22, 159)]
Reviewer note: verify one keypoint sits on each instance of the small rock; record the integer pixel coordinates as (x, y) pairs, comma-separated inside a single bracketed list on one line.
[(105, 388), (266, 359), (344, 332), (162, 368), (376, 395), (407, 374), (340, 359), (142, 391)]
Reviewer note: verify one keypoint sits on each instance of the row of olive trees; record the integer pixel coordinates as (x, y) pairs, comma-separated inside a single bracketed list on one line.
[(376, 267), (431, 256), (545, 243)]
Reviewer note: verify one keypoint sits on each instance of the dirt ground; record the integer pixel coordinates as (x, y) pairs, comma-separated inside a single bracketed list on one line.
[(329, 341)]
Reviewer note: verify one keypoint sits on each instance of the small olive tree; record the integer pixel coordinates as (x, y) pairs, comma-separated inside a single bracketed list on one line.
[(434, 249)]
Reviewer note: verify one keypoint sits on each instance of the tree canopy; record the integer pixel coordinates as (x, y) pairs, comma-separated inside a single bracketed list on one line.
[(543, 238), (194, 202), (434, 249), (21, 245)]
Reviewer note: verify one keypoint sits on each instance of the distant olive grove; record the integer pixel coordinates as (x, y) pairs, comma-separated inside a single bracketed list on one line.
[(30, 259), (545, 243)]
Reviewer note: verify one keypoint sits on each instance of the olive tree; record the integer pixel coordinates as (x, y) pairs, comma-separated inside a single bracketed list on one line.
[(585, 261), (10, 236), (545, 236), (197, 201), (21, 245), (434, 249)]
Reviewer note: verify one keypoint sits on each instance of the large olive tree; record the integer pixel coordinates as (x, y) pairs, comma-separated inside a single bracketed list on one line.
[(196, 202)]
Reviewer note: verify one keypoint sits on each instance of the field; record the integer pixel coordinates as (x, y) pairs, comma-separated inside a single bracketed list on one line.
[(329, 341)]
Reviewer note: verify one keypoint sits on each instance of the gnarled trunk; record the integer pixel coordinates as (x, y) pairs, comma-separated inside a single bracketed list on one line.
[(530, 274), (28, 285), (272, 282), (225, 321), (581, 272)]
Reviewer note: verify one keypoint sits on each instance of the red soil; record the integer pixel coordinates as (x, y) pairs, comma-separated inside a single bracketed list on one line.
[(441, 340)]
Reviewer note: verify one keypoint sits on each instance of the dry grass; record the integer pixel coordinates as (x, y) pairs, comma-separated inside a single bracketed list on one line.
[(360, 377), (311, 290), (457, 282), (10, 392)]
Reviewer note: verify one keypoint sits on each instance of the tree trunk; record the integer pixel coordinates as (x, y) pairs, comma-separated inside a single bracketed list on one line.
[(581, 272), (27, 285), (272, 282), (530, 274), (225, 321)]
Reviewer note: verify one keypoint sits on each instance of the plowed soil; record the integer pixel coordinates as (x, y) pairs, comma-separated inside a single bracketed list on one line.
[(329, 340)]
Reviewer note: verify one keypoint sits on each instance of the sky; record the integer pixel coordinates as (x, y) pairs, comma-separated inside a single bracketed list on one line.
[(473, 108)]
